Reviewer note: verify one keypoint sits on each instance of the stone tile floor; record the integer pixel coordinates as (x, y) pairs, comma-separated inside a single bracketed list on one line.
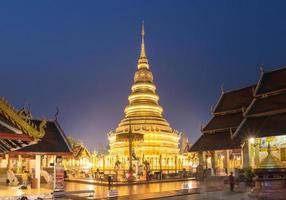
[(215, 195), (210, 189)]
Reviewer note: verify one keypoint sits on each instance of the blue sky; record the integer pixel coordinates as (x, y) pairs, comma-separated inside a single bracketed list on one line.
[(80, 56)]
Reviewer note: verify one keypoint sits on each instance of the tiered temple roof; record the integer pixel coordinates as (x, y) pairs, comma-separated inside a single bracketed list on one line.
[(54, 142), (227, 116), (16, 130), (21, 134), (266, 116), (215, 141)]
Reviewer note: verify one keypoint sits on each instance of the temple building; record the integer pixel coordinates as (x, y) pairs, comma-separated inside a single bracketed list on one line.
[(216, 149), (264, 120), (153, 139), (79, 163), (244, 123), (28, 144)]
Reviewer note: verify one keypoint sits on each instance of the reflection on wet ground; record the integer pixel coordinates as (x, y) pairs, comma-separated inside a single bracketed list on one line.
[(101, 191), (209, 189), (16, 191)]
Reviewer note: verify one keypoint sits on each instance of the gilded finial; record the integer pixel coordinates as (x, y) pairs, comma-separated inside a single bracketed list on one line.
[(142, 30), (142, 62)]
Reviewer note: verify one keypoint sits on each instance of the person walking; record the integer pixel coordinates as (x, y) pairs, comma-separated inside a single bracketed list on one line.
[(231, 181), (109, 182)]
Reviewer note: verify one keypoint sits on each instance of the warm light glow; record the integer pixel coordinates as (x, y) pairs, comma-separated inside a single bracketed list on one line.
[(143, 115), (145, 86), (251, 140)]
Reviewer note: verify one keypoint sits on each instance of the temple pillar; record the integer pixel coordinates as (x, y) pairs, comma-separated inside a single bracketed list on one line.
[(103, 163), (38, 170), (201, 158), (19, 164), (226, 161), (160, 162), (10, 164), (213, 162), (176, 163), (5, 162), (246, 155)]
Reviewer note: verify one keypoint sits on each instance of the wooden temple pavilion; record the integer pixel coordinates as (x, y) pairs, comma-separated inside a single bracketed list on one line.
[(265, 119), (244, 122), (29, 144), (216, 149)]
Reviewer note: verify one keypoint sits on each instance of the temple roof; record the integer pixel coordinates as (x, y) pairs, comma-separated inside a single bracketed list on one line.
[(227, 116), (17, 130), (10, 140), (272, 81), (4, 125), (222, 122), (269, 125), (54, 142), (216, 141), (267, 113), (268, 104), (234, 99), (80, 150), (228, 111)]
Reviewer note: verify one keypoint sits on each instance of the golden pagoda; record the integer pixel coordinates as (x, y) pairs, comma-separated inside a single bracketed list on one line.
[(143, 115)]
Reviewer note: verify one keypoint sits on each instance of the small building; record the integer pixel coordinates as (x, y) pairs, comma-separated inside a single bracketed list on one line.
[(78, 164)]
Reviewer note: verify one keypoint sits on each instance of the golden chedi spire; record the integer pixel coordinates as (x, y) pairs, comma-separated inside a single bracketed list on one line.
[(145, 115), (143, 61)]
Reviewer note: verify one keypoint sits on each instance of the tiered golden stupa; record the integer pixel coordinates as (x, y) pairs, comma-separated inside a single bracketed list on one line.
[(143, 114)]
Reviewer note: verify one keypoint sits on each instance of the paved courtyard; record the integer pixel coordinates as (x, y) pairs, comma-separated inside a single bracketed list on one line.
[(210, 189), (101, 191), (217, 195)]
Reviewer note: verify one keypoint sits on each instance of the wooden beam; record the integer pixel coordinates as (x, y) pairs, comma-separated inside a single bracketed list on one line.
[(4, 146), (13, 136)]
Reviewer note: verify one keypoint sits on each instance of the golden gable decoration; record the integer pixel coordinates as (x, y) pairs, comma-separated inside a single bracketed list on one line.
[(24, 124)]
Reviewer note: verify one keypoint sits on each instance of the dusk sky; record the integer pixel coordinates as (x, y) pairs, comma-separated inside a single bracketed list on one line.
[(81, 56)]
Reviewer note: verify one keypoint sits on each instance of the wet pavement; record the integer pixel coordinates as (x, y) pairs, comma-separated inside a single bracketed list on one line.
[(218, 195), (101, 191), (206, 190)]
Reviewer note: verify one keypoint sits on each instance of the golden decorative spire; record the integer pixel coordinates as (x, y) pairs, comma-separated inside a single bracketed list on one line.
[(143, 62), (144, 114)]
